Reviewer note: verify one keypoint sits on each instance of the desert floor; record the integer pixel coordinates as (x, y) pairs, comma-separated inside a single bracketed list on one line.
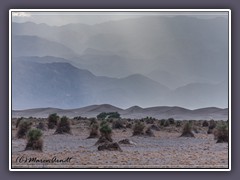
[(165, 150)]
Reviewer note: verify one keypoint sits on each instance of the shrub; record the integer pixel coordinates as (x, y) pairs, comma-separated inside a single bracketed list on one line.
[(41, 126), (102, 115), (212, 124), (171, 121), (118, 124), (63, 126), (222, 133), (94, 133), (205, 124), (52, 120), (138, 128), (108, 115), (106, 131), (34, 140), (23, 129), (187, 130), (162, 122), (178, 123)]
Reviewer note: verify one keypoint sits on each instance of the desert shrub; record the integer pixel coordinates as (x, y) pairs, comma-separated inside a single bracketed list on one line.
[(18, 121), (113, 115), (187, 130), (34, 141), (63, 126), (222, 133), (52, 120), (108, 115), (94, 132), (23, 128), (149, 120), (162, 122), (178, 123), (106, 131), (171, 120), (93, 121), (118, 124), (205, 124), (41, 126), (212, 124), (138, 128)]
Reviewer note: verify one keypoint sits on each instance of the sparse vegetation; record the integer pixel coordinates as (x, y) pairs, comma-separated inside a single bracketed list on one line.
[(205, 124), (138, 128), (41, 126), (222, 133), (118, 124), (23, 128), (171, 121), (149, 132), (108, 115), (94, 132), (52, 120), (63, 126), (34, 140), (187, 130)]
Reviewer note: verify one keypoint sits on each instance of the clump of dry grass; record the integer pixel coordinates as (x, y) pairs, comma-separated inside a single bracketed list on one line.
[(187, 130), (138, 128), (222, 133), (23, 128), (94, 131), (35, 141), (52, 120), (63, 126)]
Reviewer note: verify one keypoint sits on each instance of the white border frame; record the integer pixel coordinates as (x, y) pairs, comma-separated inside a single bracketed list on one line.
[(120, 10)]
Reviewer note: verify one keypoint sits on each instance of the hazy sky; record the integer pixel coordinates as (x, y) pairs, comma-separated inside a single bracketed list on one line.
[(62, 18)]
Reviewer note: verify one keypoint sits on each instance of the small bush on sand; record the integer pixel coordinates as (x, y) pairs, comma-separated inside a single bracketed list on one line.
[(34, 140), (222, 133), (187, 130), (94, 132), (52, 121), (63, 126), (138, 128), (23, 128), (106, 131)]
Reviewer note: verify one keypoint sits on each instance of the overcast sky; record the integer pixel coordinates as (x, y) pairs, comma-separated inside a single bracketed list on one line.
[(62, 18)]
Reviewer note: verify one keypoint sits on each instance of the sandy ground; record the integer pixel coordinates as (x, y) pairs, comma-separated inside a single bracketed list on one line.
[(165, 150)]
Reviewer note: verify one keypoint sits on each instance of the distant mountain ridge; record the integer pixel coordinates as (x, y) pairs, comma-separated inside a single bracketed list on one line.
[(161, 112), (59, 84)]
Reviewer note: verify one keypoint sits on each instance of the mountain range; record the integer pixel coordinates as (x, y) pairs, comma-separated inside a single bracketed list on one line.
[(147, 61), (135, 112)]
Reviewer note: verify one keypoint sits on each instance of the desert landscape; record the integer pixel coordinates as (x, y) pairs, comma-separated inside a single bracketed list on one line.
[(120, 143)]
